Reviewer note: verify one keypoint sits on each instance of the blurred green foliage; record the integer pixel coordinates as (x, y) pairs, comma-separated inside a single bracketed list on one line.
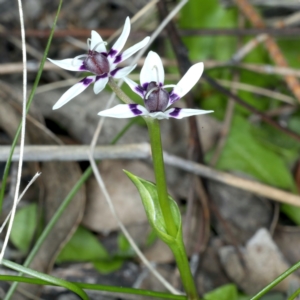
[(21, 236), (258, 150)]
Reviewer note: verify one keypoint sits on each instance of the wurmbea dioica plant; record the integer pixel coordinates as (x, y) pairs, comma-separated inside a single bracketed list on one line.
[(100, 62), (162, 211)]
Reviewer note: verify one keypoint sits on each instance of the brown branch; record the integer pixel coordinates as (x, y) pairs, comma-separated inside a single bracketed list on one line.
[(143, 151)]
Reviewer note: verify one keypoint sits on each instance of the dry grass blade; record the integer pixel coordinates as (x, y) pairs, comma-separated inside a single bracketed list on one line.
[(22, 142), (21, 196)]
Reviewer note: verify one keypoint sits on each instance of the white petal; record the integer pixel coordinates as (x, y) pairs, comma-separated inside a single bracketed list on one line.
[(100, 84), (97, 43), (130, 51), (121, 72), (189, 79), (119, 44), (160, 115), (123, 111), (179, 113), (152, 70), (134, 86), (75, 90), (69, 64)]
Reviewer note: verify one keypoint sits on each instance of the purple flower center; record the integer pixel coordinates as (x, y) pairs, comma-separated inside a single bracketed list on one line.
[(96, 63), (156, 98)]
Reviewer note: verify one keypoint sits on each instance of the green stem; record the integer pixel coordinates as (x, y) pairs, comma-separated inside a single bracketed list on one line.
[(177, 246), (277, 281), (294, 295), (118, 91), (97, 287), (160, 177), (56, 281), (182, 262)]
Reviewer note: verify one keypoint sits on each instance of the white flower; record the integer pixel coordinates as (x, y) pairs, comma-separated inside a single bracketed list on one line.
[(153, 91), (100, 62)]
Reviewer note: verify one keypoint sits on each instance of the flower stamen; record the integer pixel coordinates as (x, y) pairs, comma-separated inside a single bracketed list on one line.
[(105, 43), (156, 70), (168, 86)]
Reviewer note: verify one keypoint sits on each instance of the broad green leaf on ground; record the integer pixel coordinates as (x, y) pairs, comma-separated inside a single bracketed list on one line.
[(24, 227), (225, 292), (244, 153), (292, 212), (208, 14), (124, 248), (123, 243), (108, 266), (83, 246), (278, 142)]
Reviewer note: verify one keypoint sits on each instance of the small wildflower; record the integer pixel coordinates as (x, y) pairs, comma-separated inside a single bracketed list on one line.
[(100, 62), (153, 91)]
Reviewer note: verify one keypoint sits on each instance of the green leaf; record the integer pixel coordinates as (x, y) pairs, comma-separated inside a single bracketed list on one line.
[(151, 238), (150, 200), (293, 212), (279, 142), (83, 246), (243, 152), (123, 244), (290, 48), (56, 281), (225, 292), (108, 266), (24, 227), (208, 14)]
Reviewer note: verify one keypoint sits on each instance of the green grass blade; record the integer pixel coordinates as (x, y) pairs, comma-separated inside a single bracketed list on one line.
[(47, 278), (97, 287)]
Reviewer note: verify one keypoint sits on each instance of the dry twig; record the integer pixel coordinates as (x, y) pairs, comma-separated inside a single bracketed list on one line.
[(143, 151)]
